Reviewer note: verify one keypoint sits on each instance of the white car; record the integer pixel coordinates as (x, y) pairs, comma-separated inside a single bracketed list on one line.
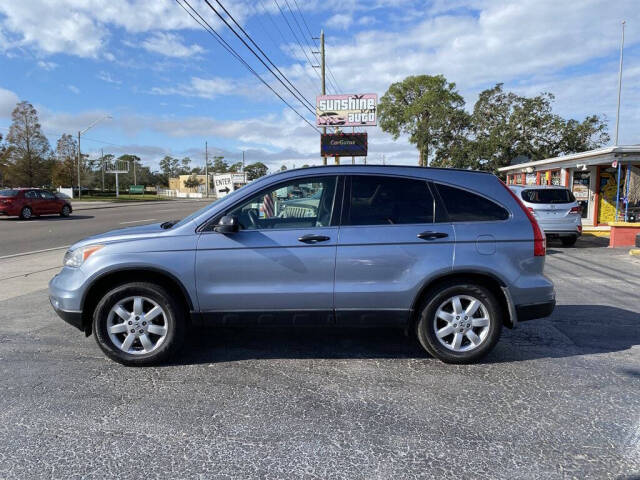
[(555, 208)]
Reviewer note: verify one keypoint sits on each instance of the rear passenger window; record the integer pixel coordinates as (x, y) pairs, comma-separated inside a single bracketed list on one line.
[(377, 200), (464, 206)]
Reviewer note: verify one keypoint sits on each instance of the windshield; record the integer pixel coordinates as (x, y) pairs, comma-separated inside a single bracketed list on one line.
[(548, 195), (9, 193), (200, 211)]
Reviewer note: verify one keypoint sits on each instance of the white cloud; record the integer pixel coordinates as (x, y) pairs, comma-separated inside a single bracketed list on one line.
[(106, 77), (171, 45), (204, 88), (340, 21), (8, 100), (73, 89), (81, 28), (47, 65)]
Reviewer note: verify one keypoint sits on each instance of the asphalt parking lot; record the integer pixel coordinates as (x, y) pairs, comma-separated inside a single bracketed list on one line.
[(558, 398)]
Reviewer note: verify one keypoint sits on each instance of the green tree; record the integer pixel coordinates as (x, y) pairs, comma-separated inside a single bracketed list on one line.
[(506, 125), (236, 167), (256, 170), (192, 182), (185, 166), (169, 167), (28, 163), (219, 165), (424, 107), (64, 169), (4, 161)]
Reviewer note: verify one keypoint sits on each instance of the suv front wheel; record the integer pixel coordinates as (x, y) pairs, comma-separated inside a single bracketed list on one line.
[(138, 324), (459, 323)]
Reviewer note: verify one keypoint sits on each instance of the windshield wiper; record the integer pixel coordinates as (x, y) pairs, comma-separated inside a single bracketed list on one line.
[(169, 224)]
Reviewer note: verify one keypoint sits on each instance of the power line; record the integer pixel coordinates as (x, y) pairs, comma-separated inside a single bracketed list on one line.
[(268, 13), (306, 41), (335, 82), (295, 36), (237, 56), (259, 49)]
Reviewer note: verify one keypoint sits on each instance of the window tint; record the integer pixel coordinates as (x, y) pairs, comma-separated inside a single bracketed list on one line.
[(47, 195), (377, 200), (464, 206), (32, 194), (548, 195), (9, 193), (301, 203)]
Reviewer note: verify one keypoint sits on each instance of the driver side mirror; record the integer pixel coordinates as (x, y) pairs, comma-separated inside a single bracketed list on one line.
[(227, 224)]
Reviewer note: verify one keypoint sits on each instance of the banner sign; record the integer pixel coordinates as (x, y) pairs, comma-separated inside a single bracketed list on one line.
[(343, 144), (349, 110)]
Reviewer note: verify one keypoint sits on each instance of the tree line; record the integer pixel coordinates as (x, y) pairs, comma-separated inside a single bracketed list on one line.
[(27, 160), (502, 126)]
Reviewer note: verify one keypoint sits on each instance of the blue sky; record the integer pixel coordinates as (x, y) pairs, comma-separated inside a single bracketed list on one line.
[(169, 86)]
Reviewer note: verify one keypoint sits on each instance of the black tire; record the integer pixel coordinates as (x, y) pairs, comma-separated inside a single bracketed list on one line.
[(66, 211), (426, 330), (26, 213), (569, 241), (175, 323)]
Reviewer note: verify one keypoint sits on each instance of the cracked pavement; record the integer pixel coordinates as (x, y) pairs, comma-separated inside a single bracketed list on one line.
[(558, 398)]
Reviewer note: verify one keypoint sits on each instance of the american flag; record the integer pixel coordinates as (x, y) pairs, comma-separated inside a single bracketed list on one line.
[(267, 206)]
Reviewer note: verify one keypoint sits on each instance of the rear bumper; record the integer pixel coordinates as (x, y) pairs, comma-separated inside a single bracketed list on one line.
[(562, 233), (535, 310)]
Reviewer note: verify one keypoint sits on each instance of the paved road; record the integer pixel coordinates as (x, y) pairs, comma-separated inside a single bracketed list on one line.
[(558, 398), (18, 236)]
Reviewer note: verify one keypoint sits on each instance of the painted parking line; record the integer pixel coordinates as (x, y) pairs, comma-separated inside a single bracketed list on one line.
[(34, 252), (138, 221)]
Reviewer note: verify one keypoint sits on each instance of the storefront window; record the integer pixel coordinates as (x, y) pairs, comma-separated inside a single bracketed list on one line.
[(580, 189), (556, 178)]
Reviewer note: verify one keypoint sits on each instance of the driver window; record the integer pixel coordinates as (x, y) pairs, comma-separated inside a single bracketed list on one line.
[(300, 203)]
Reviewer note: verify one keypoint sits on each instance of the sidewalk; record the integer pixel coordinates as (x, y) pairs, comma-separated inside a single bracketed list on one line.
[(80, 205)]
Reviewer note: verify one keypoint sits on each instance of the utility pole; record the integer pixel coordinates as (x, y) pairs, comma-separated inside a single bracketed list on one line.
[(102, 166), (79, 157), (618, 121), (134, 173), (206, 169), (242, 161), (324, 91)]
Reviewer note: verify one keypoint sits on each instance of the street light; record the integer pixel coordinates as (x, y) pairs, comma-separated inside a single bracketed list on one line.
[(81, 132)]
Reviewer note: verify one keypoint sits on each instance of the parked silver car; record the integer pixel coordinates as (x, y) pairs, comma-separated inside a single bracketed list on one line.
[(451, 255), (556, 210)]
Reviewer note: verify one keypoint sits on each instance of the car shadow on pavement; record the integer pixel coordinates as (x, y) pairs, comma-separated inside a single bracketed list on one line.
[(572, 330), (52, 218), (586, 241)]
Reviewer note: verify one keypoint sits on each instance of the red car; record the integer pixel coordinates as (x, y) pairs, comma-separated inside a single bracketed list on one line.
[(27, 202)]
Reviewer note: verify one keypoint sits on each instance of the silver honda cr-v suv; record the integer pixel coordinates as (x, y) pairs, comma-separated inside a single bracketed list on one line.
[(451, 255)]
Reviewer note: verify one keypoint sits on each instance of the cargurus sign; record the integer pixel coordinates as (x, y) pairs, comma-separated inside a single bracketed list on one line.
[(349, 110)]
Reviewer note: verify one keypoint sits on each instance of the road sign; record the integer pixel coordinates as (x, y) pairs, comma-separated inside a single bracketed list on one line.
[(343, 144), (226, 183), (351, 110), (136, 188)]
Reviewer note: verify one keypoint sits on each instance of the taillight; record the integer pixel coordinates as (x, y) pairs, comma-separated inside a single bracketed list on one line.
[(539, 240), (575, 210)]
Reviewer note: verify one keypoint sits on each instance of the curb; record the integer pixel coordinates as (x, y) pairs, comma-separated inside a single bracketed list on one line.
[(635, 252), (122, 204)]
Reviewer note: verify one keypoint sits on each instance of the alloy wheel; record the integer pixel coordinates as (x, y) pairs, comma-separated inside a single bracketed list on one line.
[(462, 323), (137, 325)]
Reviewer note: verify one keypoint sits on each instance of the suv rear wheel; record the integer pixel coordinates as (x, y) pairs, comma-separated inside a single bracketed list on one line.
[(138, 324), (459, 323)]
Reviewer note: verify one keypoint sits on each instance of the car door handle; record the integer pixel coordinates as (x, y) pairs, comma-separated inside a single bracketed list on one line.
[(313, 238), (432, 235)]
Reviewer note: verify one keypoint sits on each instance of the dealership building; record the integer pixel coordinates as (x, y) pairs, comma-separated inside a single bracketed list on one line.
[(592, 176)]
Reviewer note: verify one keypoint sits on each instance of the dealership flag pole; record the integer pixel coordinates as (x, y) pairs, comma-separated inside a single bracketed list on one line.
[(618, 118)]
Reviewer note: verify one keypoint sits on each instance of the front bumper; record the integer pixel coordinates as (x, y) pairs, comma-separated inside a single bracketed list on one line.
[(535, 310), (71, 317)]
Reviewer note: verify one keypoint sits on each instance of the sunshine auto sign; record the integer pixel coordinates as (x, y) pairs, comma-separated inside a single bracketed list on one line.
[(349, 110)]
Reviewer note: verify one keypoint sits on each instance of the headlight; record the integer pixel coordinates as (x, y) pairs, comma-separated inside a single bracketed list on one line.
[(75, 258)]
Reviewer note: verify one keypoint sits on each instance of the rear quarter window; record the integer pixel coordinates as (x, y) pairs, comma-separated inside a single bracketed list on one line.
[(465, 206), (9, 193), (548, 195)]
